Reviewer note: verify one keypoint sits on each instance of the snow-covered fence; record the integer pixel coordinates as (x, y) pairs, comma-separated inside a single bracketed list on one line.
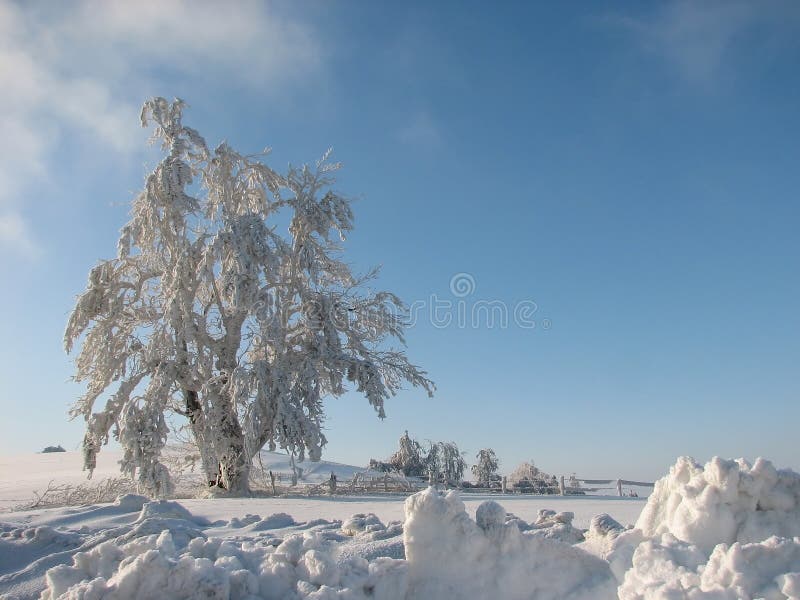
[(572, 486), (609, 484), (366, 482), (362, 482)]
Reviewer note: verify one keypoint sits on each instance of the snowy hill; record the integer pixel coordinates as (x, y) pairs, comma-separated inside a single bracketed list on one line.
[(313, 472), (23, 474)]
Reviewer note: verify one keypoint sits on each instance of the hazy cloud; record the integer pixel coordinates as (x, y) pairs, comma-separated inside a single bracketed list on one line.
[(421, 130), (15, 236), (697, 37), (81, 66)]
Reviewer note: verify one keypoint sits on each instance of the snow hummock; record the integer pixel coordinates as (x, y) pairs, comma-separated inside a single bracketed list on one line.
[(725, 530), (724, 501), (451, 556), (447, 554)]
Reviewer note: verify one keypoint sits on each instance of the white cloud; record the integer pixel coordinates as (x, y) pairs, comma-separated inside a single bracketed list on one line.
[(82, 66), (697, 37), (16, 237)]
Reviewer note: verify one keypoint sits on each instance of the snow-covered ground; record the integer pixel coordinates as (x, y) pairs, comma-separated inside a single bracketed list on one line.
[(724, 530), (22, 475)]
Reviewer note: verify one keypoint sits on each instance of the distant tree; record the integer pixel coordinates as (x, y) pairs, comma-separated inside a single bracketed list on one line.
[(528, 478), (49, 449), (485, 469), (440, 462), (380, 466), (408, 458), (208, 311), (444, 463), (525, 471)]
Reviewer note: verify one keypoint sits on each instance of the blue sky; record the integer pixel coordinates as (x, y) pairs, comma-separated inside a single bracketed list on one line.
[(631, 168)]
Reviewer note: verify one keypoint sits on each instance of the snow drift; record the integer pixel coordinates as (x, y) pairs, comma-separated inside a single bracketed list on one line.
[(447, 554), (721, 531), (726, 530), (451, 556)]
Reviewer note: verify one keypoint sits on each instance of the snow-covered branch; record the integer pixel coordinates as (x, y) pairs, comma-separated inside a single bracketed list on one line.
[(207, 309)]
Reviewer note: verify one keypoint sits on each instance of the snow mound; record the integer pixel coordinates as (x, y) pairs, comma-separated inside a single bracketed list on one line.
[(451, 556), (302, 566), (360, 523), (42, 535), (609, 540), (557, 526), (724, 531), (724, 501), (604, 525), (447, 554), (248, 519), (131, 502), (167, 509), (549, 524), (667, 567), (276, 521)]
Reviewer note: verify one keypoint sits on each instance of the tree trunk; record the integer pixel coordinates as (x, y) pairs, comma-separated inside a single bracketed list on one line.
[(235, 469), (197, 421), (234, 463)]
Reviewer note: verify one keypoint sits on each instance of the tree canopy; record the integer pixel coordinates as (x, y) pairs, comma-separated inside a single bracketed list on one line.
[(210, 311)]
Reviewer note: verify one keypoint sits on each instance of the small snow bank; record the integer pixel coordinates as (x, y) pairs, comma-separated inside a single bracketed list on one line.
[(165, 554), (276, 521), (360, 523), (451, 556), (131, 502), (666, 567), (726, 530), (370, 527), (42, 535), (724, 501), (550, 524), (154, 567)]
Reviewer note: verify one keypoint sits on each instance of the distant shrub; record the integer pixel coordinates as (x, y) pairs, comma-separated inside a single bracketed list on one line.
[(106, 490), (53, 449)]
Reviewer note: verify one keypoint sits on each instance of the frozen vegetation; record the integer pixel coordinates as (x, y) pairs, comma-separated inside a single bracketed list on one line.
[(212, 312), (724, 530)]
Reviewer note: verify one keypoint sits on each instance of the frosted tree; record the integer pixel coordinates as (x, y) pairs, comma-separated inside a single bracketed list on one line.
[(209, 312), (485, 470), (527, 477), (445, 463), (525, 471), (408, 458)]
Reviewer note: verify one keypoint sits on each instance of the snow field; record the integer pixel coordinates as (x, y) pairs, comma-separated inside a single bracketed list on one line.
[(722, 531)]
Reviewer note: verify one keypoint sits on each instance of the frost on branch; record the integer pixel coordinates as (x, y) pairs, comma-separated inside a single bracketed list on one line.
[(209, 311), (485, 470)]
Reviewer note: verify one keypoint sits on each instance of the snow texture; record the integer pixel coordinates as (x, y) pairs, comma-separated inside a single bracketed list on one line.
[(452, 556), (721, 531), (447, 555), (726, 530)]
